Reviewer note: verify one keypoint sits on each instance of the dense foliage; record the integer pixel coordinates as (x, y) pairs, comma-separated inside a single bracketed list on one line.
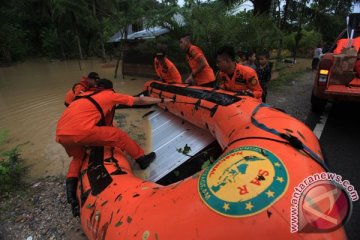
[(65, 29)]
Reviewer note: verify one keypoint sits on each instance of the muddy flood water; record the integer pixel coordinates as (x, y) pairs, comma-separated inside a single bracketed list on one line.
[(32, 99)]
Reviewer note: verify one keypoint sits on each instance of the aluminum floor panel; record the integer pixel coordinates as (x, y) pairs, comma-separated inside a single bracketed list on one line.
[(169, 134)]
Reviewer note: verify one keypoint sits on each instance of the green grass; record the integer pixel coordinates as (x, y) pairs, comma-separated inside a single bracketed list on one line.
[(285, 77), (12, 168), (284, 72)]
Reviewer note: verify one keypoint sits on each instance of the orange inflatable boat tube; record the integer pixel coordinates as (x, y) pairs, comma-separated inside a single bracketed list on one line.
[(245, 194)]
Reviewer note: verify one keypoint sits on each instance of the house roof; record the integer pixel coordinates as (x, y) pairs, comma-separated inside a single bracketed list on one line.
[(143, 34)]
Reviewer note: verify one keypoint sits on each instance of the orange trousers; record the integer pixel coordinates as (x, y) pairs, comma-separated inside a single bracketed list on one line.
[(97, 136)]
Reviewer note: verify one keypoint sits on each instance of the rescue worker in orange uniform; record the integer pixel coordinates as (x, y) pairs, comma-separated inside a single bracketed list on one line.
[(85, 123), (201, 73), (236, 77), (86, 83), (165, 69)]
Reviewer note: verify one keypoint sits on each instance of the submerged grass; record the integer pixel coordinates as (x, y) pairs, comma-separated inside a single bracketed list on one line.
[(3, 136)]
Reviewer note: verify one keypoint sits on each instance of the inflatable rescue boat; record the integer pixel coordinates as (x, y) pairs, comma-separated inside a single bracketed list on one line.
[(245, 194)]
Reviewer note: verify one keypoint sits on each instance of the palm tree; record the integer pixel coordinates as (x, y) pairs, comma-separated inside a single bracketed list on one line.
[(68, 11), (100, 9)]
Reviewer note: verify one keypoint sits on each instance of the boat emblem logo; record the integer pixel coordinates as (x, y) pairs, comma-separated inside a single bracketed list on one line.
[(243, 182)]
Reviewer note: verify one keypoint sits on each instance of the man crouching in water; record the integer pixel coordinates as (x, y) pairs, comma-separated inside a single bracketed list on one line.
[(86, 122)]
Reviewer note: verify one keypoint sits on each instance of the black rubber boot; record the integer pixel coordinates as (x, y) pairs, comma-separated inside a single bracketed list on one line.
[(75, 209), (71, 184), (145, 160)]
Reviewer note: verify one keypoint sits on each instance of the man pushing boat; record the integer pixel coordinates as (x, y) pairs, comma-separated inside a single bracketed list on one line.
[(88, 122)]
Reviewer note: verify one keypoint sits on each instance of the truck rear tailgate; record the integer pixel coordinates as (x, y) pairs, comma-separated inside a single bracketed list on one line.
[(343, 90)]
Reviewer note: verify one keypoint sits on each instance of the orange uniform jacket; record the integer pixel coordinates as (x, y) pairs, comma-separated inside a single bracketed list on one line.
[(82, 115), (78, 88), (244, 78), (167, 71), (206, 75)]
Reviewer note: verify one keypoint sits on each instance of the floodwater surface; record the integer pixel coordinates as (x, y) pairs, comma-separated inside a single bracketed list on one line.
[(32, 100)]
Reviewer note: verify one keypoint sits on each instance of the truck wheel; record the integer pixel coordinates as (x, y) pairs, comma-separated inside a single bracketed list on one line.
[(317, 104)]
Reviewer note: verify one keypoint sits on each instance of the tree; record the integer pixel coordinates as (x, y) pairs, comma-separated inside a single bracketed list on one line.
[(98, 17), (299, 34), (127, 13), (101, 10), (286, 9), (334, 12), (214, 24), (60, 28), (261, 7), (12, 35), (70, 12)]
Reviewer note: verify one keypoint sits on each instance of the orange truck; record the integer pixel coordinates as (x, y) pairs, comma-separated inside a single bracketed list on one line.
[(336, 79)]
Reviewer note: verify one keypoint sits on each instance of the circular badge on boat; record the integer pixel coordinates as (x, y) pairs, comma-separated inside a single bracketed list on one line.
[(243, 182)]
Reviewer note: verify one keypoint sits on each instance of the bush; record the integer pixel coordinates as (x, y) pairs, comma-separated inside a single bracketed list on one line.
[(12, 169), (308, 40), (53, 43), (12, 40), (212, 25)]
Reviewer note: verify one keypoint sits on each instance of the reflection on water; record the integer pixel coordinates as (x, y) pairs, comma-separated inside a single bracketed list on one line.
[(32, 99)]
